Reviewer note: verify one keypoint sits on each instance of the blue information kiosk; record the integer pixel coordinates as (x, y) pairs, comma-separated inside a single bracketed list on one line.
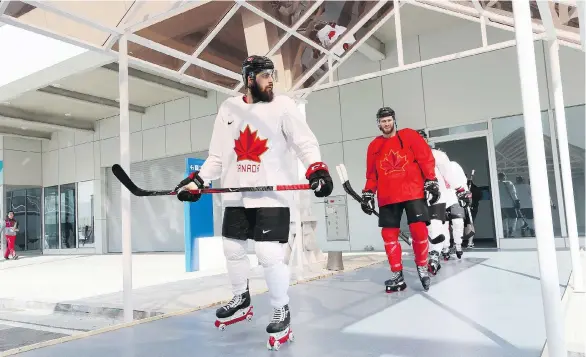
[(199, 221)]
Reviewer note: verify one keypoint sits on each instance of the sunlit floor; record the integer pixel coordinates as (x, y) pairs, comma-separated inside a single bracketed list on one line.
[(487, 304)]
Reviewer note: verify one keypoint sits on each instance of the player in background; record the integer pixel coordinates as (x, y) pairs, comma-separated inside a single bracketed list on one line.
[(437, 211), (400, 171), (456, 213), (251, 145)]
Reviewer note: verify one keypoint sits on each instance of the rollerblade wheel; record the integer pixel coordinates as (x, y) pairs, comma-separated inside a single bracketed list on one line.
[(222, 327), (249, 318), (291, 337)]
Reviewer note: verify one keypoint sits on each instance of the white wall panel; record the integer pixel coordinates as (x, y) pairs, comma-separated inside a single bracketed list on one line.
[(84, 162), (404, 93), (455, 39), (177, 111), (50, 162), (97, 160), (66, 139), (201, 132), (202, 107), (135, 122), (332, 155), (356, 65), (22, 168), (110, 151), (136, 147), (178, 138), (67, 165), (153, 143), (323, 115), (364, 229), (154, 117), (410, 52), (572, 68), (52, 144), (22, 144), (109, 127), (359, 103), (477, 88), (82, 137)]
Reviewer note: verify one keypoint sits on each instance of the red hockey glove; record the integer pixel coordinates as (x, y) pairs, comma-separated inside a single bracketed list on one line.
[(319, 179)]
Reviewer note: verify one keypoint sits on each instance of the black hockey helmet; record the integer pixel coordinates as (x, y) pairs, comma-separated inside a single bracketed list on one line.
[(254, 65), (385, 112)]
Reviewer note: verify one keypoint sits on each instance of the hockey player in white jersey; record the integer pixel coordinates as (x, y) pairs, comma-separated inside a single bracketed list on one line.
[(456, 213), (251, 144)]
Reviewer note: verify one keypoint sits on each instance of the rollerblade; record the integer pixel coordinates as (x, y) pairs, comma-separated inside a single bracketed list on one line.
[(396, 282), (279, 328), (433, 265), (424, 277), (238, 309), (446, 254), (459, 251)]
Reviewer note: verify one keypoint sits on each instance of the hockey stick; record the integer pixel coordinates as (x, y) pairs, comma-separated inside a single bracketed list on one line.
[(343, 174), (470, 235), (123, 177)]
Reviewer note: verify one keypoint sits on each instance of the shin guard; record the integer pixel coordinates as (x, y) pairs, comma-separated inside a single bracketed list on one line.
[(420, 243), (393, 248)]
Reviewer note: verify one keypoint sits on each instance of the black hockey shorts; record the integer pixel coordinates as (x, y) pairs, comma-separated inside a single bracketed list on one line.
[(264, 224), (438, 211), (390, 215), (456, 211)]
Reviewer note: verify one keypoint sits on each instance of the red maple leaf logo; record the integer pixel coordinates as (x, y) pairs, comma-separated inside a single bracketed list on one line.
[(393, 162), (249, 146)]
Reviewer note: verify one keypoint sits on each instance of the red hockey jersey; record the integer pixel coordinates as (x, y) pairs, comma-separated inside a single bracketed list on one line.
[(397, 167)]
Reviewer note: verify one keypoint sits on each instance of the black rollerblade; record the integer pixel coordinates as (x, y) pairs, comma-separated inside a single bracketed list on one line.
[(238, 309), (396, 282), (279, 329), (446, 254), (433, 265)]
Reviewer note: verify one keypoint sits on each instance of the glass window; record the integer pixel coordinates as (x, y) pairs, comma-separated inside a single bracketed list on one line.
[(51, 208), (513, 176), (33, 219), (67, 212), (575, 127), (85, 213), (15, 201), (461, 129)]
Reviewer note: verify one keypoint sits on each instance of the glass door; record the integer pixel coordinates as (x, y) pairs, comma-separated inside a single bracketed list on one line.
[(25, 202)]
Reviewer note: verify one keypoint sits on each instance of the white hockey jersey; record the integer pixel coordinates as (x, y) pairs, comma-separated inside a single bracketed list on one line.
[(459, 177), (443, 172), (252, 145), (329, 34)]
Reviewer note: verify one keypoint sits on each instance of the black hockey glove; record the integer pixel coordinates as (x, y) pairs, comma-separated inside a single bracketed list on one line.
[(464, 197), (184, 194), (432, 191), (320, 180), (367, 204)]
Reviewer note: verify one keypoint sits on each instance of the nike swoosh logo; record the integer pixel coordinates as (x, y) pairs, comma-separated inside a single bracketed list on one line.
[(230, 122), (265, 232)]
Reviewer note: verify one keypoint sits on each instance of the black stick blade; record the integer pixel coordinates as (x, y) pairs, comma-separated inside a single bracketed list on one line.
[(124, 179)]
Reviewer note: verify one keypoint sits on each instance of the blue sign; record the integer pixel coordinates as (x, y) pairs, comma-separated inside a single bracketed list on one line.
[(199, 221)]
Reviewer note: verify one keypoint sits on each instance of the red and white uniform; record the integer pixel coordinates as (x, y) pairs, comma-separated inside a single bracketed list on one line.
[(10, 227), (252, 144), (397, 167), (445, 178)]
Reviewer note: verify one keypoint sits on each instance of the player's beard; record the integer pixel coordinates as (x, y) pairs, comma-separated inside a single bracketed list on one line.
[(258, 95), (388, 131)]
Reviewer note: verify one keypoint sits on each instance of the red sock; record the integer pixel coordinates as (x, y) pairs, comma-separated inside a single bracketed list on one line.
[(420, 243), (393, 248)]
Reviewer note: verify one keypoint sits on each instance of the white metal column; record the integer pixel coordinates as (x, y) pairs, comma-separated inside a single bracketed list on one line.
[(548, 269), (125, 217), (562, 140)]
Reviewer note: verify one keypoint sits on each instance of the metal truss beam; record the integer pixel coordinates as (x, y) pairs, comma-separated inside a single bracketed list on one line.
[(3, 6), (158, 80), (173, 11), (210, 37), (465, 12), (429, 62), (288, 29), (88, 98), (341, 41), (21, 117), (294, 28)]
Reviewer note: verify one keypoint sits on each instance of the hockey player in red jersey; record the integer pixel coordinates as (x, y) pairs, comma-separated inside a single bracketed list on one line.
[(251, 145), (400, 170)]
